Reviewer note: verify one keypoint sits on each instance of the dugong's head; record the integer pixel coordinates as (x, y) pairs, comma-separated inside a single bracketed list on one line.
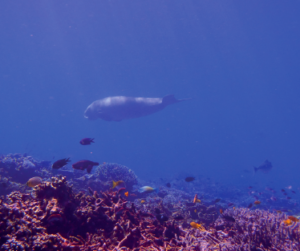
[(90, 112)]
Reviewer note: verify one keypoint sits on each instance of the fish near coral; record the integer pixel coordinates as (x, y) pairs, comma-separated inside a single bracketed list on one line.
[(147, 189), (85, 164), (257, 202), (86, 141), (119, 108), (60, 163), (293, 218), (126, 194), (116, 183), (189, 179), (288, 222), (196, 199), (228, 218), (143, 201), (32, 182), (197, 226), (264, 167)]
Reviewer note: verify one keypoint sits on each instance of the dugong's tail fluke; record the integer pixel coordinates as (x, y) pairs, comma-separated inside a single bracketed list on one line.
[(170, 99)]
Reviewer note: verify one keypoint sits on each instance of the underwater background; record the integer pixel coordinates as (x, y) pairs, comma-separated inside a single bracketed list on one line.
[(238, 61)]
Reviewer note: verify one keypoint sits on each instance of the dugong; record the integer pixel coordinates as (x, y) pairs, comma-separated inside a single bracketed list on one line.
[(120, 107)]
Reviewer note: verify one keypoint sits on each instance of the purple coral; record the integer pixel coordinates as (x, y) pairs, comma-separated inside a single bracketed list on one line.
[(113, 171)]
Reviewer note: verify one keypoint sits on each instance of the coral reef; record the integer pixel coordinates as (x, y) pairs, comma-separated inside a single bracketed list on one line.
[(21, 167), (53, 217)]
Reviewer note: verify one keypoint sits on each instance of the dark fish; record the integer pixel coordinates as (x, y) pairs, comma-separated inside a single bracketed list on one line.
[(85, 164), (288, 198), (157, 211), (178, 217), (86, 141), (60, 163), (189, 179), (216, 200), (264, 167), (230, 204), (282, 190), (161, 218), (250, 187), (228, 218), (168, 185), (250, 205)]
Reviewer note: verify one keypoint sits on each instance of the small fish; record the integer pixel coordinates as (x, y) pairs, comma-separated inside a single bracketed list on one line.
[(156, 210), (196, 225), (264, 167), (126, 194), (257, 202), (60, 163), (250, 205), (230, 204), (282, 190), (178, 217), (288, 222), (32, 182), (293, 218), (195, 210), (250, 187), (147, 189), (85, 164), (288, 198), (196, 199), (293, 192), (133, 195), (143, 201), (216, 200), (161, 218), (221, 211), (168, 185), (289, 187), (228, 218), (116, 183), (189, 179), (86, 141)]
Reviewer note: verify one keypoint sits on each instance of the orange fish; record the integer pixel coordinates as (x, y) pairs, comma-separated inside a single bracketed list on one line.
[(257, 202), (197, 226), (143, 201), (133, 194), (126, 194), (293, 218), (221, 211), (287, 222)]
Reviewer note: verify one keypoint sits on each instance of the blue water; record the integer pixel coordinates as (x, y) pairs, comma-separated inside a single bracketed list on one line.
[(237, 60)]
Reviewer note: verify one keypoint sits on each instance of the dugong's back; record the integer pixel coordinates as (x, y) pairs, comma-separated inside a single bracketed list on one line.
[(120, 107)]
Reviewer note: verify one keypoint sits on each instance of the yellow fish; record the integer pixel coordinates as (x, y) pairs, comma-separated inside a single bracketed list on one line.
[(195, 211), (32, 182), (197, 226), (116, 183)]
